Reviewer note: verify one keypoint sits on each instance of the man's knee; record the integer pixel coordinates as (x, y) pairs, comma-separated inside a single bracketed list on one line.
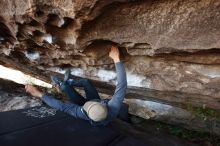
[(86, 81), (64, 86)]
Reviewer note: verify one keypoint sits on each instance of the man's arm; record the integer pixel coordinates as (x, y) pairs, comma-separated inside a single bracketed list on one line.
[(115, 103), (69, 108)]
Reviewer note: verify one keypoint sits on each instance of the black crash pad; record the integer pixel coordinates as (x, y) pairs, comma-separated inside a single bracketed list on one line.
[(44, 126)]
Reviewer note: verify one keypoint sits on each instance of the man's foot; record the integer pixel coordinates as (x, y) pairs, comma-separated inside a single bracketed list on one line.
[(67, 75), (56, 81), (33, 91)]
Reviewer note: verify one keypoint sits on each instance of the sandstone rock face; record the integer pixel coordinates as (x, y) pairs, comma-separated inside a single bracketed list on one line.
[(165, 25), (169, 46)]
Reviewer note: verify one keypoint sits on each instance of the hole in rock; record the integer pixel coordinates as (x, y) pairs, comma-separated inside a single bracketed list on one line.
[(63, 66), (17, 54), (67, 22), (5, 33), (38, 33), (32, 55), (63, 31), (34, 23), (40, 36), (39, 13), (100, 48), (55, 20)]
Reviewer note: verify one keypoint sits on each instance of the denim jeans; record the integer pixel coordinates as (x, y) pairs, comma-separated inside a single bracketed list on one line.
[(90, 91)]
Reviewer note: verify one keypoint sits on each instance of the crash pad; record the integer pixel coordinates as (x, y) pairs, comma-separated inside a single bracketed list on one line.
[(45, 126)]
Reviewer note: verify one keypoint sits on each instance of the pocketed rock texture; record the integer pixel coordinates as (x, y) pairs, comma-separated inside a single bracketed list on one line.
[(170, 48)]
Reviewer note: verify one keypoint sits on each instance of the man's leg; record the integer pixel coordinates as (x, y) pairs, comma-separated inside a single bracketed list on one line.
[(90, 90), (73, 94)]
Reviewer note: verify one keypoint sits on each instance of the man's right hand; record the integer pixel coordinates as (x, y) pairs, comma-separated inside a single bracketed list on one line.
[(114, 54), (33, 91)]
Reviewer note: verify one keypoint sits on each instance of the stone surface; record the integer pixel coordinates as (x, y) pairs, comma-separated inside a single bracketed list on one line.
[(75, 34), (168, 46), (16, 98), (165, 25)]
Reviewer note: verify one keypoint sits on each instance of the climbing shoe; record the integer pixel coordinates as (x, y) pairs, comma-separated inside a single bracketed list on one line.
[(67, 75), (56, 81)]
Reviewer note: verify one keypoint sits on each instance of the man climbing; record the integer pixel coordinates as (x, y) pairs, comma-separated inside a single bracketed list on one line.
[(91, 108)]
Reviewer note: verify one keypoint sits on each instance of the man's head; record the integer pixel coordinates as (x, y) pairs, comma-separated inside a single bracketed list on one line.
[(95, 110)]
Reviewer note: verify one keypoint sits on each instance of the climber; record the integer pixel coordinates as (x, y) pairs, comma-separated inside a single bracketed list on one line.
[(91, 108)]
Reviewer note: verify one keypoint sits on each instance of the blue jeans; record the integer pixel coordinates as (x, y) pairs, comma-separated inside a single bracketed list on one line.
[(90, 90)]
